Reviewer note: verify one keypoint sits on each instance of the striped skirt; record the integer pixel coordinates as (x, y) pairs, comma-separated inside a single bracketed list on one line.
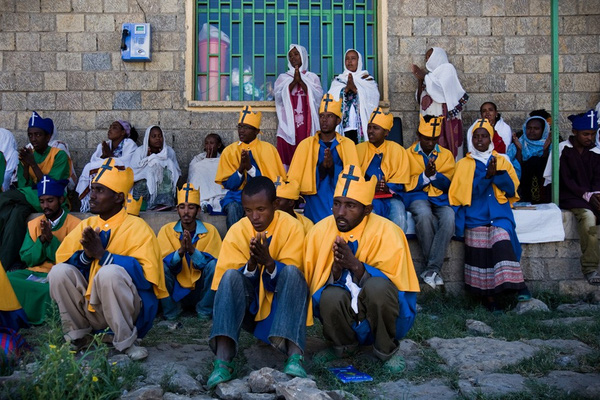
[(491, 265)]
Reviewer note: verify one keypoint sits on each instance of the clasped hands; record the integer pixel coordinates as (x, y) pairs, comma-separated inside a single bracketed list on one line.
[(259, 253), (344, 259)]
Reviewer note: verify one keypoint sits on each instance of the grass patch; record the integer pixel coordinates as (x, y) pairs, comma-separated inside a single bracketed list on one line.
[(540, 364), (536, 391)]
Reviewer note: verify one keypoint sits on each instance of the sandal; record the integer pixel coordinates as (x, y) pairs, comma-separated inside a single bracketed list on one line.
[(593, 278), (223, 371), (293, 366), (524, 295), (396, 364)]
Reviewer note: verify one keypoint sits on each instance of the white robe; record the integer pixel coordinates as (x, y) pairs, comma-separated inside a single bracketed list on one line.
[(8, 147), (150, 167), (442, 82), (202, 173), (286, 128), (368, 92)]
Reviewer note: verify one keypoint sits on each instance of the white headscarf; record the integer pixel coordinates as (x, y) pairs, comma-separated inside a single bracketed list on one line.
[(442, 83), (150, 167), (8, 147), (283, 103), (368, 91), (482, 156)]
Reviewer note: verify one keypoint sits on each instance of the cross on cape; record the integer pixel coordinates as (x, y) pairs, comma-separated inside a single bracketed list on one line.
[(187, 189), (44, 181), (328, 99), (349, 178), (105, 167), (592, 116), (375, 113), (434, 124), (245, 112), (278, 182)]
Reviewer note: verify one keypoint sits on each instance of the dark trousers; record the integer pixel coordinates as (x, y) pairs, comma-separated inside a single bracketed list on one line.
[(14, 210)]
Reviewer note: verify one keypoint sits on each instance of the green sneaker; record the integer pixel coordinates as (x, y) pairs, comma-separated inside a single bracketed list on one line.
[(293, 366), (223, 371), (396, 364)]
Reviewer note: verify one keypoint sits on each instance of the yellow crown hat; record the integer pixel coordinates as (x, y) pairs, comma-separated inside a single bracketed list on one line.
[(250, 118), (378, 117), (117, 179), (328, 104), (485, 124), (133, 206), (433, 128), (187, 194), (352, 184), (287, 190)]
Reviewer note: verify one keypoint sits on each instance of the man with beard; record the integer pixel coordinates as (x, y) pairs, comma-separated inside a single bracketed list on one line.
[(360, 274), (109, 273), (44, 235)]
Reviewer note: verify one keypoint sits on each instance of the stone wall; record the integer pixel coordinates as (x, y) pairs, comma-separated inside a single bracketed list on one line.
[(61, 58)]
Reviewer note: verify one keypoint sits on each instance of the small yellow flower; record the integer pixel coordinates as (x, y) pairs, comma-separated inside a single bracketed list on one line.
[(94, 378), (114, 363), (52, 346)]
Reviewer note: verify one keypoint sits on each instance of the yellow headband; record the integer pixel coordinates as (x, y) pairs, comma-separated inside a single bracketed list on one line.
[(249, 118), (187, 194), (351, 183), (386, 121), (117, 180), (287, 190), (328, 104), (433, 128), (485, 124), (133, 206)]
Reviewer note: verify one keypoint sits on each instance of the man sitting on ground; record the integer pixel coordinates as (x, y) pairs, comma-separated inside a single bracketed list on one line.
[(259, 284), (109, 274), (360, 273), (189, 249)]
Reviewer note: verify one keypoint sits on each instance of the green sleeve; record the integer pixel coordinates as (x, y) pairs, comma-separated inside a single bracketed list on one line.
[(21, 181), (61, 168), (32, 253), (2, 169), (51, 249)]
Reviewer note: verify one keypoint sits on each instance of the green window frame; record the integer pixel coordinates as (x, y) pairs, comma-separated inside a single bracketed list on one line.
[(240, 41)]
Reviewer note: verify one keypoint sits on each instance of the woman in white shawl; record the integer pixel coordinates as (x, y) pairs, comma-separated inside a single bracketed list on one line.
[(155, 171), (120, 146), (439, 92), (503, 134), (202, 173), (8, 147), (360, 95), (297, 93)]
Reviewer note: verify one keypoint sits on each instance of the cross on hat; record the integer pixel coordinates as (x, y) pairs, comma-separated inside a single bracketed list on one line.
[(187, 189), (328, 99), (434, 124), (278, 182), (375, 113), (591, 115), (349, 178), (245, 112), (44, 181), (482, 121), (105, 167), (33, 117)]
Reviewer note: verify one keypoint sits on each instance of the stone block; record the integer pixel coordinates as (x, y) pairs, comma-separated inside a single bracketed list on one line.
[(170, 80), (29, 81), (109, 41), (454, 26), (572, 25), (42, 22), (69, 23), (534, 269), (413, 45), (593, 63), (14, 101), (491, 45), (96, 62), (470, 8), (15, 22), (516, 83), (99, 23), (97, 100), (103, 121), (55, 6), (172, 6), (132, 17), (169, 41), (563, 268), (441, 8), (175, 119), (412, 8), (127, 101), (427, 26), (83, 119), (515, 45), (467, 45), (527, 26), (7, 120), (573, 63), (538, 45), (476, 64), (53, 41), (399, 27), (539, 7), (116, 6), (7, 41), (7, 5), (502, 64), (569, 249), (164, 22), (141, 118), (494, 84), (447, 43), (145, 80), (516, 7), (479, 26), (492, 8), (41, 101), (30, 6), (580, 44), (161, 61), (81, 41), (7, 81), (156, 100), (565, 82), (504, 26), (27, 41), (87, 6), (77, 80), (526, 64), (110, 80), (545, 63), (68, 62), (146, 6), (576, 288), (539, 83), (586, 83), (69, 101)]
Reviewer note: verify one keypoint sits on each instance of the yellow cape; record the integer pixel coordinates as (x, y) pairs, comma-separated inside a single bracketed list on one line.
[(307, 224), (8, 299), (394, 164), (265, 155), (129, 236), (209, 242), (46, 165), (461, 189), (444, 164), (287, 238), (307, 154), (381, 244)]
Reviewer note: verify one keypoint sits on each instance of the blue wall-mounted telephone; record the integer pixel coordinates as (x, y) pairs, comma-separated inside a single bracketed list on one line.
[(135, 42)]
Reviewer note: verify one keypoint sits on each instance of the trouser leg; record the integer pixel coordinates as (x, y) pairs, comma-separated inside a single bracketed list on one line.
[(425, 224), (171, 308), (588, 239), (205, 305), (337, 316), (235, 212), (14, 210), (443, 234)]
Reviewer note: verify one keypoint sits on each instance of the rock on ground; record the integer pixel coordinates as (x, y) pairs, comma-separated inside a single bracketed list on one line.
[(403, 389), (567, 321), (586, 385), (492, 385), (474, 355), (152, 392), (232, 390), (577, 307), (530, 306), (264, 380), (301, 389), (174, 396), (571, 347), (478, 328), (259, 396)]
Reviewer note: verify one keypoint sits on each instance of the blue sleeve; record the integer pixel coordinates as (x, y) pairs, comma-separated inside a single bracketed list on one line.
[(173, 261), (517, 165), (396, 187), (81, 262), (200, 259), (503, 181), (459, 221), (420, 185), (441, 182), (271, 283), (374, 272), (234, 181)]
